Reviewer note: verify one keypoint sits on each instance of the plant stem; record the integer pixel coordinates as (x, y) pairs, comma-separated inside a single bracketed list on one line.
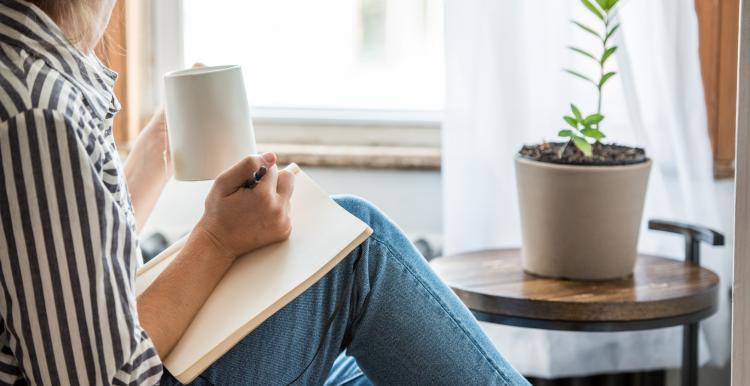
[(565, 147), (601, 67)]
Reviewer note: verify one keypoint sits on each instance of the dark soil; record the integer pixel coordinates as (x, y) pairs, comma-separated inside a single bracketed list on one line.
[(603, 154)]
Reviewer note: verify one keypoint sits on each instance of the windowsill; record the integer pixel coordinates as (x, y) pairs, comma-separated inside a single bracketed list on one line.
[(366, 157), (345, 117)]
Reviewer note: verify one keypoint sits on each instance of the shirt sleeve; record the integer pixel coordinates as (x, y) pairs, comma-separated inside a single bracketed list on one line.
[(67, 259)]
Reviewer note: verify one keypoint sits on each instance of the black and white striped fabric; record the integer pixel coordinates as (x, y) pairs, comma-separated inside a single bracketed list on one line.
[(68, 246)]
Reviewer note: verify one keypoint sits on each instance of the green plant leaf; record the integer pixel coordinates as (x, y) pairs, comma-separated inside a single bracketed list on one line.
[(593, 133), (587, 29), (611, 32), (565, 133), (593, 9), (605, 78), (583, 145), (607, 53), (607, 5), (576, 112), (571, 121), (593, 119), (584, 53), (579, 75)]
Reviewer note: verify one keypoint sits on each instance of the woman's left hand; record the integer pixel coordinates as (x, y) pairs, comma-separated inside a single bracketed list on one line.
[(148, 167), (155, 139)]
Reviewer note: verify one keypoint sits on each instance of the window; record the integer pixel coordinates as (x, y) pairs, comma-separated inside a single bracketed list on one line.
[(351, 60)]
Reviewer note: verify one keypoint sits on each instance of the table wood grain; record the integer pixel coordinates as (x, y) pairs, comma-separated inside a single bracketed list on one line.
[(494, 282)]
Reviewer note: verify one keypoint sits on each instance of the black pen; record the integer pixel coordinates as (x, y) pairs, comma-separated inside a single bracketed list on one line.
[(255, 179)]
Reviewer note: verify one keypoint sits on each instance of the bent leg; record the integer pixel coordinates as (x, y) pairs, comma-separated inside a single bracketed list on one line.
[(386, 307), (409, 327)]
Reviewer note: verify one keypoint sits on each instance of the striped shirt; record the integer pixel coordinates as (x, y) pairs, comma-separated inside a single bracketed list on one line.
[(68, 245)]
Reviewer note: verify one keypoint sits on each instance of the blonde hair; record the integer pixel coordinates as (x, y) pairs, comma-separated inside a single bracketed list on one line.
[(75, 17)]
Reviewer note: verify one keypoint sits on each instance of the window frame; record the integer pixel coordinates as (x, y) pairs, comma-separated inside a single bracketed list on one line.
[(318, 126)]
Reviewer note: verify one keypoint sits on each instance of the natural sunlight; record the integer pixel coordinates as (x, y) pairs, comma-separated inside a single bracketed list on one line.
[(330, 54)]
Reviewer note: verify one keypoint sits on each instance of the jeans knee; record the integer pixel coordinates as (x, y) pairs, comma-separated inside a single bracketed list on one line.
[(365, 211), (383, 227), (357, 206), (387, 239)]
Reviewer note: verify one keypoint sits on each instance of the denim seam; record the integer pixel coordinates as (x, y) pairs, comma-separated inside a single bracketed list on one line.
[(326, 332), (443, 306)]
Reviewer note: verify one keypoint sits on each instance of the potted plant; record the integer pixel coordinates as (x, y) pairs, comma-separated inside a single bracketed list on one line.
[(581, 200)]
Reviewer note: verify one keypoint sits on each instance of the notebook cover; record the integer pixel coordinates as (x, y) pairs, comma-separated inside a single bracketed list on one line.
[(262, 282)]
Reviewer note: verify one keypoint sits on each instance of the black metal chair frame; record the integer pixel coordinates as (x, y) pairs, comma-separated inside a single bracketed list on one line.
[(694, 235)]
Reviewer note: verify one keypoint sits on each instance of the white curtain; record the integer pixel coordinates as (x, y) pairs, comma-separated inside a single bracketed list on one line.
[(506, 87)]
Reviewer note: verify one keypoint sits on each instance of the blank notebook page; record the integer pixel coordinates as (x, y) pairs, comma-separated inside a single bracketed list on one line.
[(262, 282)]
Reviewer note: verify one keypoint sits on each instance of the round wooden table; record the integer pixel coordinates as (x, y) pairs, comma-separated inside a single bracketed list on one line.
[(661, 293)]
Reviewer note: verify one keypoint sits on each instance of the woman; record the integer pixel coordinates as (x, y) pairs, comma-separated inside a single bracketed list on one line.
[(69, 213)]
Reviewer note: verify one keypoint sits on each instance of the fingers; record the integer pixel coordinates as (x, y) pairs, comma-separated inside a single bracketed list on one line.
[(268, 185), (269, 158), (269, 181), (231, 179), (198, 65), (285, 184)]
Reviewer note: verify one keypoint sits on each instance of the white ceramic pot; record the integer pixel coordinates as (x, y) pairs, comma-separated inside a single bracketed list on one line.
[(580, 222)]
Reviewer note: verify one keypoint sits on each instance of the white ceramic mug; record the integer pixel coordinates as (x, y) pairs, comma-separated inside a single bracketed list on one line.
[(209, 123)]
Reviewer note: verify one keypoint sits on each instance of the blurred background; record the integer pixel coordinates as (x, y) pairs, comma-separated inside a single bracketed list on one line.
[(420, 105)]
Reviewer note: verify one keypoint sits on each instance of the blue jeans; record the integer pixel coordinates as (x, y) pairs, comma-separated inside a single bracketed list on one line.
[(380, 316)]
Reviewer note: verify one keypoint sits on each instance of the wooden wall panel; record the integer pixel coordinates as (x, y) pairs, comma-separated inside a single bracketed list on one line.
[(709, 12), (727, 106), (718, 23), (112, 50)]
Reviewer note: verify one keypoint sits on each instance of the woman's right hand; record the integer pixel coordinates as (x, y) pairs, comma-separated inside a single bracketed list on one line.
[(239, 220)]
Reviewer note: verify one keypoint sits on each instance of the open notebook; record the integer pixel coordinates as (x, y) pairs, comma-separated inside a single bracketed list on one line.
[(262, 282)]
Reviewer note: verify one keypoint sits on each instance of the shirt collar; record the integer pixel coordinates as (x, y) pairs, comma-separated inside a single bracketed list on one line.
[(25, 26)]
